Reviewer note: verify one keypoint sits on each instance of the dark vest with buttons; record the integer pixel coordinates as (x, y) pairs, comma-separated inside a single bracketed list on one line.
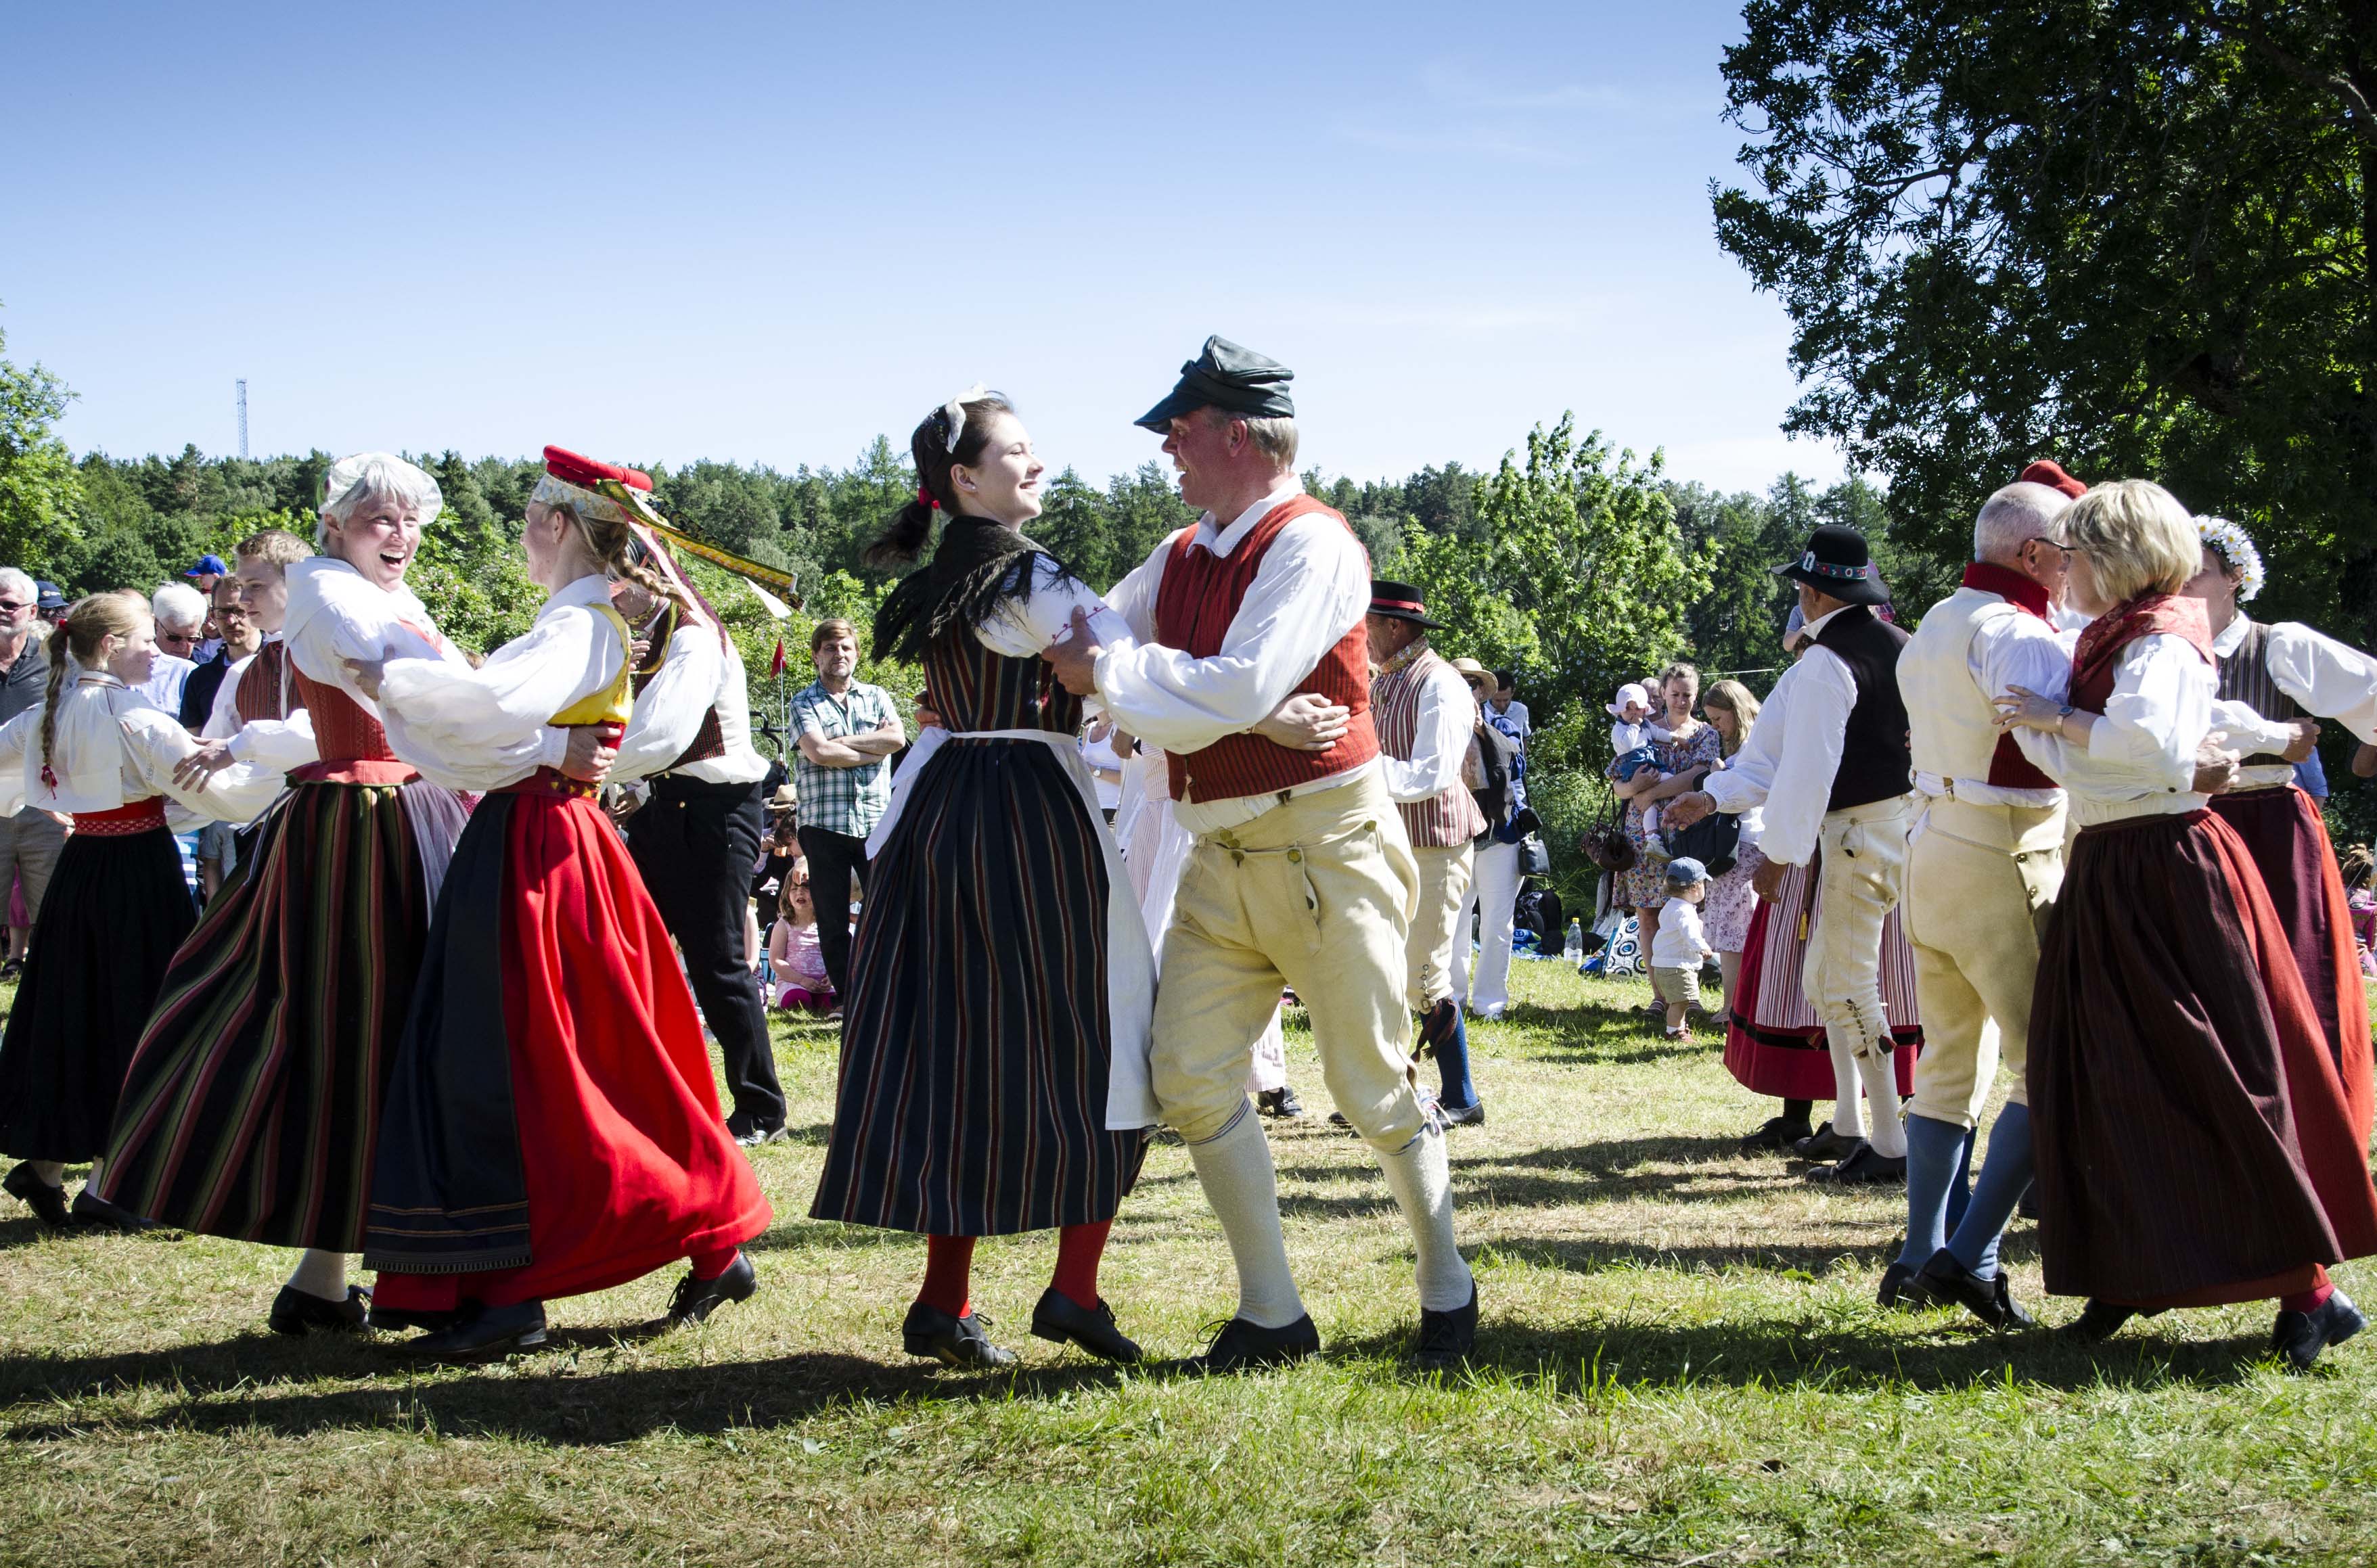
[(1875, 761), (2245, 677)]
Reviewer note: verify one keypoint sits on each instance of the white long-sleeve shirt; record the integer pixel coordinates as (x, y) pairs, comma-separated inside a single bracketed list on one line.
[(2326, 678), (278, 745), (697, 673), (2140, 758), (1312, 589), (1444, 724), (113, 749), (485, 728), (1680, 943), (1788, 765)]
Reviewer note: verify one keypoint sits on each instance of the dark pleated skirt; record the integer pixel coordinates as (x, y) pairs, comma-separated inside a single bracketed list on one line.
[(252, 1105), (2192, 1137), (975, 1039), (116, 909)]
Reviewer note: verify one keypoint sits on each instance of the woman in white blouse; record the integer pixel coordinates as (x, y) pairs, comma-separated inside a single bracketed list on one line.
[(2191, 1141), (117, 906)]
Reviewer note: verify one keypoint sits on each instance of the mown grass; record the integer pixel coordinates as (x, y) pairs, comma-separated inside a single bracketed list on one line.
[(1679, 1364)]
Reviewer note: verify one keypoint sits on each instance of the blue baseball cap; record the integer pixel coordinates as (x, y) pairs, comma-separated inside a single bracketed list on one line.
[(208, 566), (1683, 870), (47, 597)]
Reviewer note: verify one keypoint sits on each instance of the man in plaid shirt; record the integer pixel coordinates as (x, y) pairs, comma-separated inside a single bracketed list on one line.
[(848, 732)]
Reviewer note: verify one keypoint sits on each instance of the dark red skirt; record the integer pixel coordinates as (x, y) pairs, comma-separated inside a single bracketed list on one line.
[(2195, 1144), (618, 1148), (2283, 831)]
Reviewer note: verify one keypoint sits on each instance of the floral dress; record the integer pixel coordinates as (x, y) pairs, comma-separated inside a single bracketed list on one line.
[(1645, 886)]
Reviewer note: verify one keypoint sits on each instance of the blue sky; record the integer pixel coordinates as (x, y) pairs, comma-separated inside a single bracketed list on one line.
[(769, 231)]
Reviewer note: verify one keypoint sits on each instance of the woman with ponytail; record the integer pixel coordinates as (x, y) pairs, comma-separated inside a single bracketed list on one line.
[(117, 906), (551, 1126), (994, 1062)]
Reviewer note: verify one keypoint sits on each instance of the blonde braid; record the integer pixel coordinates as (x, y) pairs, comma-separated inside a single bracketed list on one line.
[(91, 621), (49, 711), (613, 543)]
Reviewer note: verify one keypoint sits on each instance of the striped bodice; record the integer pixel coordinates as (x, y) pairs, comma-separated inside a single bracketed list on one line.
[(1442, 820), (2245, 677), (973, 688), (266, 689)]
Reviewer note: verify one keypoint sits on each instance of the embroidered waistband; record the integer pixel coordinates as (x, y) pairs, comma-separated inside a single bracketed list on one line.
[(551, 781), (140, 816)]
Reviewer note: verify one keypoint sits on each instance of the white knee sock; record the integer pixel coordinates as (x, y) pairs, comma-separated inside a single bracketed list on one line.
[(1880, 1076), (320, 1275), (1848, 1109), (1422, 1184), (1240, 1182)]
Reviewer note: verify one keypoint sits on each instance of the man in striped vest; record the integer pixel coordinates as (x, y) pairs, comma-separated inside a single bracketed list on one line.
[(1301, 872), (1426, 717)]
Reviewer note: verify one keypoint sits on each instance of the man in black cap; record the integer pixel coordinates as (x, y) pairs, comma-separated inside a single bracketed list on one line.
[(1828, 760), (1301, 870)]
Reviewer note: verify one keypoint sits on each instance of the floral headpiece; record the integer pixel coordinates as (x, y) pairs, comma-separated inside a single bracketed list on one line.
[(2235, 548)]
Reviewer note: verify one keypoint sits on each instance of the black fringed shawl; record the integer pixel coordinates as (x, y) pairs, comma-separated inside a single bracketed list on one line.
[(978, 566)]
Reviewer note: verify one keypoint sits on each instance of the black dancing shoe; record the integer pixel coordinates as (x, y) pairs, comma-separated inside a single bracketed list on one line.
[(1862, 1166), (1824, 1144), (1462, 1115), (1446, 1338), (2300, 1337), (1241, 1346), (1991, 1300), (48, 1202), (1281, 1101), (294, 1311), (2099, 1320), (492, 1331), (1776, 1134), (1060, 1318), (1337, 1119), (697, 1299), (952, 1341), (1903, 1290), (750, 1135), (89, 1209)]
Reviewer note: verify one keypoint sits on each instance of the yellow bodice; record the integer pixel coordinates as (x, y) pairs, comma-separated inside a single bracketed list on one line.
[(613, 703)]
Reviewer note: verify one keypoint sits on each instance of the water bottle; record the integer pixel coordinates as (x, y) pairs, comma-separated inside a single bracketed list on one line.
[(1574, 951)]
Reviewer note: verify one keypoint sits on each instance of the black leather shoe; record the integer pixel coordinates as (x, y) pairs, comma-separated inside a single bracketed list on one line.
[(89, 1209), (1446, 1338), (1281, 1101), (1945, 1276), (1778, 1133), (752, 1137), (697, 1299), (1337, 1119), (1903, 1290), (1464, 1115), (294, 1311), (1825, 1144), (494, 1331), (48, 1202), (1242, 1345), (401, 1320), (1060, 1318), (2300, 1337), (2099, 1320), (1862, 1166), (952, 1341)]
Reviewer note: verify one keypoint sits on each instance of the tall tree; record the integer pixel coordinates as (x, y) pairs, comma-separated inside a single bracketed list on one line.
[(2130, 235), (39, 491)]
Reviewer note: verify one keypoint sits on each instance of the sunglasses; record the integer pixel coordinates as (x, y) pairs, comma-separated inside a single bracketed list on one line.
[(13, 606)]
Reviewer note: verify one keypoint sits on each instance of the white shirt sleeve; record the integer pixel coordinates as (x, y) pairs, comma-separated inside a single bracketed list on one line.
[(2146, 739), (1805, 752), (1312, 589), (153, 742), (2020, 650), (223, 719), (276, 745), (2330, 680), (2238, 726), (1022, 626), (669, 709), (504, 704), (1439, 739), (1133, 599), (16, 739)]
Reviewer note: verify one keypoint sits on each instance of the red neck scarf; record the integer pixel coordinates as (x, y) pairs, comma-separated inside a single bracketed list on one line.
[(2010, 585), (2149, 615)]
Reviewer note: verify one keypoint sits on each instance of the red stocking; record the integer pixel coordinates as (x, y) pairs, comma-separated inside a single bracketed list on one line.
[(948, 1265), (1079, 1248)]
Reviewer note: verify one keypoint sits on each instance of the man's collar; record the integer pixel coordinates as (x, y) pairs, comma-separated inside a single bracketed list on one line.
[(1222, 540), (1816, 625), (1402, 656), (2013, 587), (2232, 635)]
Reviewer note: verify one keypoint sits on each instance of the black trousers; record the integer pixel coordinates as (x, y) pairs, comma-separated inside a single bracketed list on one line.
[(696, 844), (834, 858)]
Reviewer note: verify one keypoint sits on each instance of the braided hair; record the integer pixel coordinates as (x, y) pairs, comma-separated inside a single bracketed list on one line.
[(87, 624)]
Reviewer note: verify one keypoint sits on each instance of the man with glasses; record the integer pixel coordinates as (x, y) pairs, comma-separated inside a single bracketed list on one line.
[(30, 840), (181, 616), (236, 636)]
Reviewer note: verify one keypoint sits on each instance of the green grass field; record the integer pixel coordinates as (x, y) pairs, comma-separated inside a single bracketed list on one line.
[(1679, 1364)]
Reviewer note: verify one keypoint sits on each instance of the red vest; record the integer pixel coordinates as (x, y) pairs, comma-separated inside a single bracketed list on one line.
[(1194, 606), (261, 686)]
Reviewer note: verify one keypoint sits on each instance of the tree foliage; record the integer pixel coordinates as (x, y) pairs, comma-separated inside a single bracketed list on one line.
[(2129, 235), (39, 495)]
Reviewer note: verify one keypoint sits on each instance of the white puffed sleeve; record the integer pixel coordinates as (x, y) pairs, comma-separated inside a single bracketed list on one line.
[(569, 654), (16, 743), (669, 709), (154, 743)]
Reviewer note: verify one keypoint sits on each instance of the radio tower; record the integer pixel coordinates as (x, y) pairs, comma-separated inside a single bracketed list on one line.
[(243, 419)]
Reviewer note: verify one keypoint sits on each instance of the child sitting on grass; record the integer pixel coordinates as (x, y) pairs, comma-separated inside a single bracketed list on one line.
[(802, 983), (1678, 950)]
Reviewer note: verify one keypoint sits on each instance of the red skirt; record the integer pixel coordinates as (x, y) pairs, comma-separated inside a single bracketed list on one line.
[(622, 1157), (2195, 1143), (1773, 1044)]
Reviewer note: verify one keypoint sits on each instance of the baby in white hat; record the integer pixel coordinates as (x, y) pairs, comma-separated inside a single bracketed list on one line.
[(1631, 708)]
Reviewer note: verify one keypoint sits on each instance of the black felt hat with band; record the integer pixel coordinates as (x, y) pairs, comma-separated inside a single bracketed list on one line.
[(1836, 562), (1400, 600), (1226, 377)]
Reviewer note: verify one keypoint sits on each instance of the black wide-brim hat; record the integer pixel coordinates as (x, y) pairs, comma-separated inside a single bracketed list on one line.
[(1402, 602), (1836, 562), (1224, 375)]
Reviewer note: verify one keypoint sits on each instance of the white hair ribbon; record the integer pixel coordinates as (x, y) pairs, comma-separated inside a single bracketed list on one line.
[(954, 412)]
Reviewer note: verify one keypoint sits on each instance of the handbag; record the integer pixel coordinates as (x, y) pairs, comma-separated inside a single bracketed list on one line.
[(1608, 846), (1715, 840), (1534, 860)]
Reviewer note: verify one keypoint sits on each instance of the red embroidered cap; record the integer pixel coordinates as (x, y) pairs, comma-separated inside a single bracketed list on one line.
[(586, 473)]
